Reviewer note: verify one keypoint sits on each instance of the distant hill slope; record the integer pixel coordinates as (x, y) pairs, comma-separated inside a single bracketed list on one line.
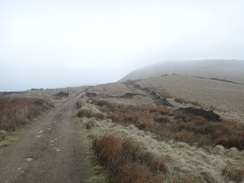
[(224, 69)]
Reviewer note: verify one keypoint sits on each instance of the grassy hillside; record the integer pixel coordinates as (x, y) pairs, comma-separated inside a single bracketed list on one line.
[(141, 132), (224, 69)]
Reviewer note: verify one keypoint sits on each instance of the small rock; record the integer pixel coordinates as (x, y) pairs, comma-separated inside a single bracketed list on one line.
[(29, 159), (56, 149), (20, 170)]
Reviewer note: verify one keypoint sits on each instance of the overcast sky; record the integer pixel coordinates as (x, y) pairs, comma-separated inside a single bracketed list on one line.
[(57, 43)]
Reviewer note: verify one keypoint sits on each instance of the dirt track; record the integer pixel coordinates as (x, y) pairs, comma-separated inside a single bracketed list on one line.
[(48, 152)]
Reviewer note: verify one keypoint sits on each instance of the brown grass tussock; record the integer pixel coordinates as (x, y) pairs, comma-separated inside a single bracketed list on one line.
[(15, 112)]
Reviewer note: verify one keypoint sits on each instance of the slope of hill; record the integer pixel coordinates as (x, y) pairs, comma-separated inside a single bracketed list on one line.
[(182, 123), (139, 133), (224, 69), (143, 112)]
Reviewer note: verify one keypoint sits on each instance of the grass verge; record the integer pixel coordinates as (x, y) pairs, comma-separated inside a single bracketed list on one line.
[(15, 112), (127, 161)]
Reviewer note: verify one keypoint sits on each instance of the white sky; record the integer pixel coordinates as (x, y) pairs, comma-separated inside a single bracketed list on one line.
[(57, 43)]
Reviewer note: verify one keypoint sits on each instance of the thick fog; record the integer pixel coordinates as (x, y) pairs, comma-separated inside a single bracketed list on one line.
[(52, 43)]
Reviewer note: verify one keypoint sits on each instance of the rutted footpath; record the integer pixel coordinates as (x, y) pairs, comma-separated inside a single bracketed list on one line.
[(49, 151)]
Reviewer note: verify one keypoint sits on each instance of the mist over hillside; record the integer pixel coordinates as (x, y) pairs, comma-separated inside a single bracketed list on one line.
[(224, 69)]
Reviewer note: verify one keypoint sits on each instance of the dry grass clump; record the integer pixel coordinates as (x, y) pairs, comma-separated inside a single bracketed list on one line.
[(177, 125), (145, 124), (85, 113), (90, 114), (234, 172), (134, 172), (180, 100), (127, 161), (192, 129), (79, 104), (98, 115), (15, 112), (162, 93), (100, 102), (2, 135), (91, 123)]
